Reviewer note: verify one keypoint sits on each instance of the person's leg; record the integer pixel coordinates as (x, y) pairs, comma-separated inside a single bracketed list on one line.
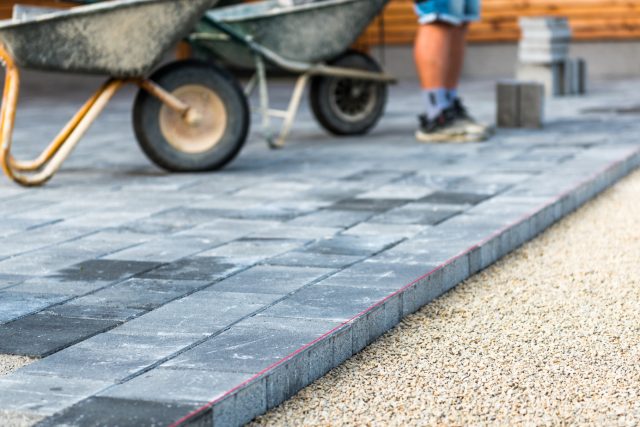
[(439, 55), (432, 54), (458, 51), (457, 55), (433, 47)]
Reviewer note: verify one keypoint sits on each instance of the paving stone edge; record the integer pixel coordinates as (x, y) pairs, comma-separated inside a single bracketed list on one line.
[(288, 376), (285, 378)]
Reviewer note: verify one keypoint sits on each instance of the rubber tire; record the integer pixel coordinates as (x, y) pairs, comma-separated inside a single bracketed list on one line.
[(146, 118), (324, 110)]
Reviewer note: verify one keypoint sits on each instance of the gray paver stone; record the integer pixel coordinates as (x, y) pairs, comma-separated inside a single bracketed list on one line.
[(14, 305), (97, 411), (200, 269), (44, 395), (109, 357), (251, 401), (43, 334), (271, 279), (248, 350), (342, 344), (177, 386)]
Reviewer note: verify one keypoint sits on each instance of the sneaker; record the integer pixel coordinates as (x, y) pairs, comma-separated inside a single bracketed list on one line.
[(445, 128), (464, 119)]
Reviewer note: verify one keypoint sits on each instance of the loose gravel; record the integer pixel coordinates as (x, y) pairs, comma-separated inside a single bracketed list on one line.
[(9, 364), (550, 335)]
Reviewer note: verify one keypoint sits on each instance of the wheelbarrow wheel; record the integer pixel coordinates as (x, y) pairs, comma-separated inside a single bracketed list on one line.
[(346, 106), (209, 143)]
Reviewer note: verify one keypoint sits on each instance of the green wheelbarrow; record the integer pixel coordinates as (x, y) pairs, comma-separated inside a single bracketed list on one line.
[(310, 38), (188, 115)]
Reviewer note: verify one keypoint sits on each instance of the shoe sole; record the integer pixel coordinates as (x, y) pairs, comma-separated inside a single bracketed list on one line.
[(475, 129), (456, 139)]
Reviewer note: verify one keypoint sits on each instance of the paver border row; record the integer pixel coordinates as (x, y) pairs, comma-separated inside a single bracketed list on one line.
[(285, 378)]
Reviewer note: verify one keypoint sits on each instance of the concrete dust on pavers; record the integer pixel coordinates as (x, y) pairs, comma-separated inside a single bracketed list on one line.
[(10, 364), (548, 336)]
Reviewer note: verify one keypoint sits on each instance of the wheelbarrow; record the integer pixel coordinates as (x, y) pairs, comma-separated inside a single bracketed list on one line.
[(188, 115), (311, 39)]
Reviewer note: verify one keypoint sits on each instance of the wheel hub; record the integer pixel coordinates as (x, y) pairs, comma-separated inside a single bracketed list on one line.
[(202, 127), (353, 99)]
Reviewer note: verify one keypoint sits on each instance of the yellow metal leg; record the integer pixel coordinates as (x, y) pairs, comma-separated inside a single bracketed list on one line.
[(54, 147), (47, 164)]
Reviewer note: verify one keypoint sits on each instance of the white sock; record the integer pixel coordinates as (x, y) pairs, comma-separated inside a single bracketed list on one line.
[(435, 102)]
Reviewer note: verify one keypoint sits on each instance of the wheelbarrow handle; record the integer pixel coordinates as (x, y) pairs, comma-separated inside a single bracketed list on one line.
[(48, 163)]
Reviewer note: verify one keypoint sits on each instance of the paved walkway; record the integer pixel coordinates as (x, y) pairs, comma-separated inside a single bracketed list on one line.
[(149, 295), (547, 336)]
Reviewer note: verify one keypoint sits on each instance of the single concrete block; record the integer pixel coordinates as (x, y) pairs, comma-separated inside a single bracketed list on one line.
[(392, 312), (376, 320), (251, 401), (575, 77), (175, 386), (277, 387), (44, 394), (224, 412), (41, 335), (296, 369), (520, 234), (342, 345), (454, 273), (360, 334), (508, 104), (14, 305), (531, 106), (320, 360), (583, 76), (120, 412), (409, 305), (429, 288), (285, 380), (571, 77)]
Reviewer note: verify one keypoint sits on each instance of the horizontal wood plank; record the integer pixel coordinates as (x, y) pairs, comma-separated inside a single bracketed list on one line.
[(589, 19)]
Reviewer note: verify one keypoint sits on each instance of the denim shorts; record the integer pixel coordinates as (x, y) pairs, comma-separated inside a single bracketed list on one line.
[(454, 12)]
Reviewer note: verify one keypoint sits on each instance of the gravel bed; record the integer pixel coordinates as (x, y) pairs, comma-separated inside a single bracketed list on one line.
[(9, 364), (550, 335)]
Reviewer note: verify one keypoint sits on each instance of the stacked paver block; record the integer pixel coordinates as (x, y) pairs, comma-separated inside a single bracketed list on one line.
[(520, 104), (544, 57)]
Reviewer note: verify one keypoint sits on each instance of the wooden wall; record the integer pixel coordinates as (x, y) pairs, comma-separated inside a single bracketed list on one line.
[(590, 19)]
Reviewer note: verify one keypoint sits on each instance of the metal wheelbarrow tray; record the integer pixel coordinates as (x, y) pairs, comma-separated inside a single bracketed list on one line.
[(185, 113), (310, 38)]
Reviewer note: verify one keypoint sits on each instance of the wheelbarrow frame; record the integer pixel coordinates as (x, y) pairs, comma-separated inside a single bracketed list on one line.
[(40, 170), (305, 71)]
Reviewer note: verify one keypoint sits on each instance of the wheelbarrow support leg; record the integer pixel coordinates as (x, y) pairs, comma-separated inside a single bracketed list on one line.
[(289, 116), (263, 88), (292, 112), (48, 163)]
